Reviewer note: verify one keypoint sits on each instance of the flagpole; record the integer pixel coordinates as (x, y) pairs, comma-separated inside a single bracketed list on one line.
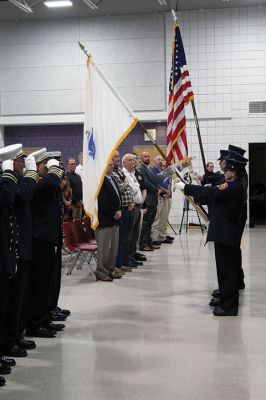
[(194, 114), (200, 210)]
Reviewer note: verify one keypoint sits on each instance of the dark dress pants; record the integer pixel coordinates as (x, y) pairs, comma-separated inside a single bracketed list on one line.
[(241, 276), (148, 218), (134, 233), (227, 273), (56, 279), (18, 291), (4, 298), (124, 237), (40, 283)]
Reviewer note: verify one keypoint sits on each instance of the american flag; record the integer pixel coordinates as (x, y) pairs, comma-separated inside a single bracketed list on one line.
[(180, 94)]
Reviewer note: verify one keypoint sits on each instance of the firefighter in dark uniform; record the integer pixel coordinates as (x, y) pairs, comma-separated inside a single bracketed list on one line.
[(236, 153), (47, 234), (57, 313), (15, 344), (225, 230), (8, 238)]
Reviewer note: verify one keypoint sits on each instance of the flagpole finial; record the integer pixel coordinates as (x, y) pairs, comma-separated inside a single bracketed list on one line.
[(174, 16), (82, 47)]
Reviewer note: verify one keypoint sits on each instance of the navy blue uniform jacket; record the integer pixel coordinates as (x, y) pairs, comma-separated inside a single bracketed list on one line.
[(225, 222)]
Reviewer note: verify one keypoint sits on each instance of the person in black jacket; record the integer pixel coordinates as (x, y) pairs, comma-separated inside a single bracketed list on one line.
[(152, 183), (15, 345), (107, 233), (225, 230), (8, 187), (47, 235), (76, 185)]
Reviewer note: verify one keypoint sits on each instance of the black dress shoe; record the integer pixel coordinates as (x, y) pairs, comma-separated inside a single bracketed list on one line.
[(2, 381), (170, 238), (140, 257), (216, 293), (215, 301), (56, 327), (56, 316), (42, 332), (219, 312), (167, 241), (26, 344), (156, 243), (62, 311), (136, 262), (14, 351), (5, 370), (9, 362)]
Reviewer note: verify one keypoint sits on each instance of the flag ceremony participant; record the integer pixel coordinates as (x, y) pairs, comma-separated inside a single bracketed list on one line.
[(47, 235), (225, 230), (57, 313), (76, 186), (128, 162), (128, 203), (139, 256), (159, 226), (236, 153), (15, 345), (152, 183), (8, 239), (107, 233)]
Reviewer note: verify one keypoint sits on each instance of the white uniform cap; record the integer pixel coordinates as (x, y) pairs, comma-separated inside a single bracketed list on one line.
[(53, 154), (11, 152), (39, 155)]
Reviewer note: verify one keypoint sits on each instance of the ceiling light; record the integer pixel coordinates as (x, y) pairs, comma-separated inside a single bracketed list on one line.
[(162, 2), (91, 4), (60, 3), (22, 5)]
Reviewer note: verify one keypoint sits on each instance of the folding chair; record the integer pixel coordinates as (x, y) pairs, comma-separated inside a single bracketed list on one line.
[(78, 251), (81, 234), (86, 222)]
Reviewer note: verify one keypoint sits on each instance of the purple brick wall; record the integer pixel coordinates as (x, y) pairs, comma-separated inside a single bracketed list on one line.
[(68, 138)]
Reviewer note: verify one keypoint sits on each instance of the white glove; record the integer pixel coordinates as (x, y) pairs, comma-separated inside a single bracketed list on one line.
[(52, 163), (30, 163), (180, 185), (8, 164)]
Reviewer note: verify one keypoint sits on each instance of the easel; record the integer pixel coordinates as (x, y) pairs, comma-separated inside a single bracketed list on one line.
[(186, 210)]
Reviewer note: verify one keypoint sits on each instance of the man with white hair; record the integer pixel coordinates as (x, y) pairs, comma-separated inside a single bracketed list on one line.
[(128, 163)]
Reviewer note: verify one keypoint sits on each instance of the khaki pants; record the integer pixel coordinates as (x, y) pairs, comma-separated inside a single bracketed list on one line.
[(159, 226), (108, 242)]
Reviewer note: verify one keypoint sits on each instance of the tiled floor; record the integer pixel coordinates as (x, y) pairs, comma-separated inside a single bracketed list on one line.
[(152, 336)]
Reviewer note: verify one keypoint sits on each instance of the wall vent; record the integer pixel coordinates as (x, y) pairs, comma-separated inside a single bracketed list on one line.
[(257, 107)]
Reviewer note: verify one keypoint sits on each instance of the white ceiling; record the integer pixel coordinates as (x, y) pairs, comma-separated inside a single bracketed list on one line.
[(113, 7)]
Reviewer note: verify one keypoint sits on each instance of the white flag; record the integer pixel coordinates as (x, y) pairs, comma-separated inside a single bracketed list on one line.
[(108, 121)]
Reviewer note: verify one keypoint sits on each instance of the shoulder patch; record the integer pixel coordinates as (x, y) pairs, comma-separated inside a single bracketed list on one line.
[(223, 186)]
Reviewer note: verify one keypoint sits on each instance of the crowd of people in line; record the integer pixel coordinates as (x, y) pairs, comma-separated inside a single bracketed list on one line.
[(37, 195)]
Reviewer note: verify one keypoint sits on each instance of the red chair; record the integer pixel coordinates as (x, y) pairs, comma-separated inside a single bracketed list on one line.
[(88, 229), (81, 234), (78, 251)]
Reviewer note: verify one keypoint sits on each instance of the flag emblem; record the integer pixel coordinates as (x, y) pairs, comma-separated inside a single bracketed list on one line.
[(91, 144)]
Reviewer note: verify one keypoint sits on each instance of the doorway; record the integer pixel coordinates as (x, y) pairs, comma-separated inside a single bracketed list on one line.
[(257, 184)]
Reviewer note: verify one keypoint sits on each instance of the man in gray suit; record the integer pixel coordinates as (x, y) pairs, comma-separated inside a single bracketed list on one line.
[(152, 183)]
